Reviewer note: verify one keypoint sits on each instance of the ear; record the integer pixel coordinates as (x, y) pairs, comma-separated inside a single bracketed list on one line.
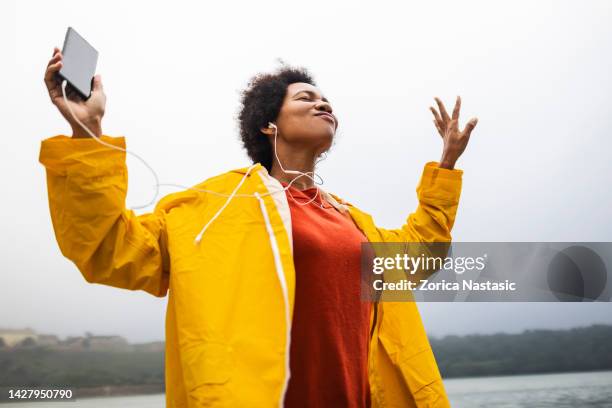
[(268, 131)]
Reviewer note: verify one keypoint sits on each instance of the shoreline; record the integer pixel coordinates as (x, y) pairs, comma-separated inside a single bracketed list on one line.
[(118, 390)]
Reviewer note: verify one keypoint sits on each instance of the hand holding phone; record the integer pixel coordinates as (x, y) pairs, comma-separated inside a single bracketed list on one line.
[(89, 112)]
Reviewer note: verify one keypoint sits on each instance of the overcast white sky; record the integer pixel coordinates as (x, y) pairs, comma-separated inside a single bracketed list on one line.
[(538, 168)]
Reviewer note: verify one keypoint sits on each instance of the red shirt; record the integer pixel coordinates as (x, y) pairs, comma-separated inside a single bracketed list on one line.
[(330, 331)]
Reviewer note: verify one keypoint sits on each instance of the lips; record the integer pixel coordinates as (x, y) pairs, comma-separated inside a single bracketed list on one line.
[(327, 116)]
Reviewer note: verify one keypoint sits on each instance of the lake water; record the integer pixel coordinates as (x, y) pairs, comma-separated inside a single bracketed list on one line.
[(584, 390), (575, 390)]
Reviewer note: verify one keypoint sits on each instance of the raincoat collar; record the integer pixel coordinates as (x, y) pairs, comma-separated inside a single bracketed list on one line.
[(335, 201)]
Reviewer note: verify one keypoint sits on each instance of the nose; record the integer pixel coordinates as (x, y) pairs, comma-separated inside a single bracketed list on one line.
[(324, 106)]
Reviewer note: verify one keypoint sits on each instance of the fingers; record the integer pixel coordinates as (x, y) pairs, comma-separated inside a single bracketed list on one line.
[(436, 115), (72, 94), (437, 121), (57, 56), (54, 65), (444, 123), (443, 112), (439, 128), (49, 74), (469, 127), (97, 83), (457, 108)]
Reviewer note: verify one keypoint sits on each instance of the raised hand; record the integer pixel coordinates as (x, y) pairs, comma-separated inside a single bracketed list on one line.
[(89, 112), (455, 141)]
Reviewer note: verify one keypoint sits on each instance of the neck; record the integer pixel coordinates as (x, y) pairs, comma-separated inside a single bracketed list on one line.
[(294, 159)]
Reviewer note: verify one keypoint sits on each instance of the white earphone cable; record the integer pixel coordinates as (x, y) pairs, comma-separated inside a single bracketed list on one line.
[(64, 83), (230, 196)]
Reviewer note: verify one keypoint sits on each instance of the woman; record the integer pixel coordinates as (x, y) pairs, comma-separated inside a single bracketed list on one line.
[(261, 266)]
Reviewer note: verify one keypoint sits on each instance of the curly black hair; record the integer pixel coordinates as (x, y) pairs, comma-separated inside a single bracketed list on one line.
[(261, 103)]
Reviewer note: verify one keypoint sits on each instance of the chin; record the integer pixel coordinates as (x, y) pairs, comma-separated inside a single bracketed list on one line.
[(326, 142), (327, 132), (319, 136)]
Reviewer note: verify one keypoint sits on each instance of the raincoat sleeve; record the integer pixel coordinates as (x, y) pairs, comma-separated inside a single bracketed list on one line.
[(110, 245), (438, 193)]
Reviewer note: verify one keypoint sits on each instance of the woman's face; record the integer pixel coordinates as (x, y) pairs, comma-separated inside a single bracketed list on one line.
[(306, 118)]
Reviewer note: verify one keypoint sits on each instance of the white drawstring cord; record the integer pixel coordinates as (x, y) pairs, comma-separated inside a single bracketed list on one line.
[(283, 282), (269, 229), (199, 237)]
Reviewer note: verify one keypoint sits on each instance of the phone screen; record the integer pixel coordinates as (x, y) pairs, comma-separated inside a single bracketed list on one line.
[(79, 65)]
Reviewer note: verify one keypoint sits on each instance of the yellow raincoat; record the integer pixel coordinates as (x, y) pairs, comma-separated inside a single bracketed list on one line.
[(231, 294)]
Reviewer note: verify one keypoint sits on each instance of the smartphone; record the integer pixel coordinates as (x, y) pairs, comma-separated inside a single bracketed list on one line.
[(79, 63)]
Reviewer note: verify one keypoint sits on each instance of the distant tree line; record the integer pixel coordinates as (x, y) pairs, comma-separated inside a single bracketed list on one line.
[(530, 352), (39, 367), (533, 351)]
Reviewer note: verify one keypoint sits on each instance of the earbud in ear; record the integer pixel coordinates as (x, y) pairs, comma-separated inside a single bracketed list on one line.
[(271, 125)]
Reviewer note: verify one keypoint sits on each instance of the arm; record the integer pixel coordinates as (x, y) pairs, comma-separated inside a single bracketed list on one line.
[(438, 192), (440, 186), (87, 185)]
